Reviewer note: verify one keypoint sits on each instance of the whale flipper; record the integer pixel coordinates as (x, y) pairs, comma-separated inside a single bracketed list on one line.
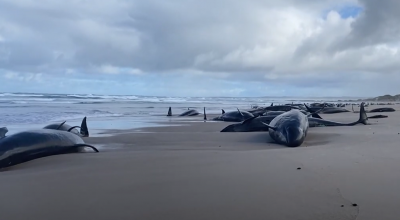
[(240, 112), (314, 114), (250, 119), (69, 130), (3, 132), (61, 125), (270, 127), (86, 145)]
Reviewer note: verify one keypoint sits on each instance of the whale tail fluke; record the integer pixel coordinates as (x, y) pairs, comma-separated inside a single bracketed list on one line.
[(169, 112), (3, 132), (84, 129)]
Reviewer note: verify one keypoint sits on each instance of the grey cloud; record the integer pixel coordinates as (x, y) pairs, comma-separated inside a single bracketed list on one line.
[(151, 35), (377, 24), (285, 42)]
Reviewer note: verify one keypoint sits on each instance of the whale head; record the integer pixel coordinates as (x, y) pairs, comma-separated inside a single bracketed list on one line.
[(289, 133), (294, 136)]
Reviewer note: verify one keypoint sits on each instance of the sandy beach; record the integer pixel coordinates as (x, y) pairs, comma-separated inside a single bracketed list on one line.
[(187, 169)]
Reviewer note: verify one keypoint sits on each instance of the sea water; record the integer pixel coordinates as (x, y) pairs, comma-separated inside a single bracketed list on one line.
[(22, 111)]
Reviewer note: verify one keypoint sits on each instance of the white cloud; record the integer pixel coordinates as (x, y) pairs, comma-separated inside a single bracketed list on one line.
[(109, 69), (134, 71)]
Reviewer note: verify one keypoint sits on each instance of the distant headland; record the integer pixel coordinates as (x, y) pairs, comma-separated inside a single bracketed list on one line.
[(384, 98)]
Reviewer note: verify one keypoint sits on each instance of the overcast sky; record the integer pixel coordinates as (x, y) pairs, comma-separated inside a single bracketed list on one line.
[(201, 48)]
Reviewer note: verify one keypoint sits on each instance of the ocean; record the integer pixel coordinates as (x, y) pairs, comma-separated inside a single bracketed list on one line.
[(22, 111)]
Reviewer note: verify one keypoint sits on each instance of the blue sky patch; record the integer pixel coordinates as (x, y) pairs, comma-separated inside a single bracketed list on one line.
[(345, 11), (350, 11)]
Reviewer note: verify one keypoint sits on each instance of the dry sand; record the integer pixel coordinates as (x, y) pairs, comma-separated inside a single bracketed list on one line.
[(193, 171)]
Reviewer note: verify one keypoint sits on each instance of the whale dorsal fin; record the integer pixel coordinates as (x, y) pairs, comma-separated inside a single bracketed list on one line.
[(84, 129), (61, 125), (363, 115), (3, 132), (205, 115), (169, 112), (223, 111), (272, 104)]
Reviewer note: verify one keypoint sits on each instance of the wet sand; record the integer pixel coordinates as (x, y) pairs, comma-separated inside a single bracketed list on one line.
[(192, 171)]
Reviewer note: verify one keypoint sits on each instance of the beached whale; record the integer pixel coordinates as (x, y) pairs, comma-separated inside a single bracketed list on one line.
[(317, 122), (333, 110), (234, 116), (281, 108), (84, 131), (376, 110), (256, 112), (189, 112), (289, 128), (33, 144), (378, 116), (328, 110), (382, 110), (268, 113), (252, 124), (257, 123), (277, 108)]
